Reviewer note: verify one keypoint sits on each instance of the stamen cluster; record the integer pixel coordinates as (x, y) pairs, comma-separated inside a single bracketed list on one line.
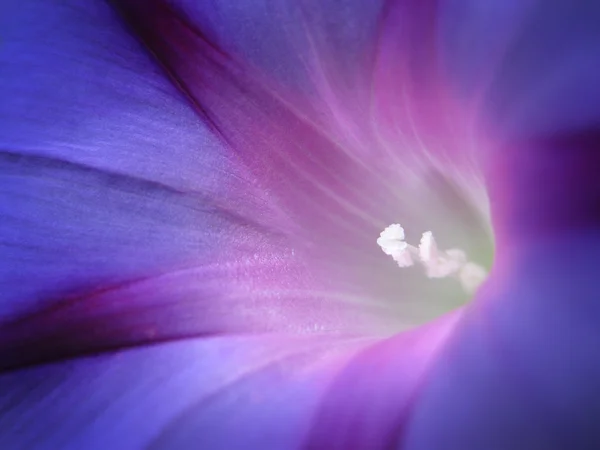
[(437, 263)]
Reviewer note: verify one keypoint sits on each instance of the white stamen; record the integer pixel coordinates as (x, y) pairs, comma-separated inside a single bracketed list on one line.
[(437, 264), (428, 250), (472, 276), (391, 241), (457, 255)]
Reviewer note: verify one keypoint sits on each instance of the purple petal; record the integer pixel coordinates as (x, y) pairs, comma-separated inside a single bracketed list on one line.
[(177, 395), (125, 219), (532, 68), (270, 391), (102, 159), (522, 369)]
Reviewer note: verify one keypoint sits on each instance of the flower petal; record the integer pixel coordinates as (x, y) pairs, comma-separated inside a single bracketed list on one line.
[(522, 368), (101, 156), (177, 395), (531, 67), (125, 219), (276, 391), (339, 158)]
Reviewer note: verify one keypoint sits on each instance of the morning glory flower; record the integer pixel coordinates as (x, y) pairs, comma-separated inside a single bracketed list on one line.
[(299, 225)]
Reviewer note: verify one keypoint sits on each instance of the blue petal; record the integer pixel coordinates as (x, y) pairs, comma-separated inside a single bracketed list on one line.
[(532, 63), (522, 369), (264, 391), (102, 159), (189, 394), (531, 66), (124, 218)]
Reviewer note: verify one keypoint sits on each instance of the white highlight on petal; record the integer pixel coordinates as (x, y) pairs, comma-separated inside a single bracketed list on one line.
[(437, 264)]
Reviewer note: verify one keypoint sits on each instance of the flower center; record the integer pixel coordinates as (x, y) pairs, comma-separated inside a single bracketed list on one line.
[(436, 263)]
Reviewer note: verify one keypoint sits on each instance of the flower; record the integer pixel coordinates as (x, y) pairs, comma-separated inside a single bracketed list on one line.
[(192, 194)]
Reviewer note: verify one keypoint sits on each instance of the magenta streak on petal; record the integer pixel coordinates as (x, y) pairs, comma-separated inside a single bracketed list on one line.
[(412, 97), (362, 410), (189, 303)]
